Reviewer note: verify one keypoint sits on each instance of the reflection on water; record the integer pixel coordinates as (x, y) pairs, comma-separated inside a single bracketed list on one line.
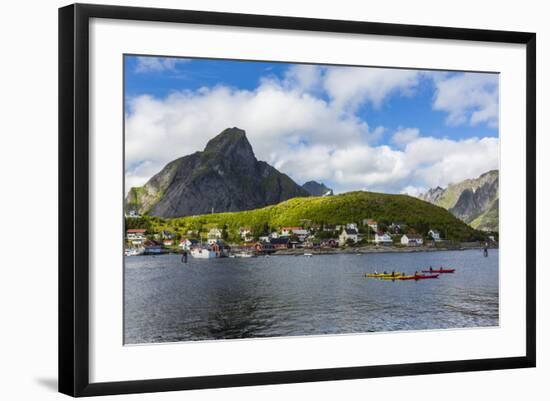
[(167, 301)]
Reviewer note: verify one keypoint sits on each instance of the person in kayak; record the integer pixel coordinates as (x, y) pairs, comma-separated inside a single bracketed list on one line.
[(431, 270), (393, 273)]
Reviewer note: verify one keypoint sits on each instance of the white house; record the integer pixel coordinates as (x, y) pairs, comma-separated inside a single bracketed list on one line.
[(286, 231), (136, 236), (215, 233), (133, 214), (435, 235), (411, 240), (382, 238), (246, 233), (300, 232), (351, 226), (186, 244), (348, 234), (371, 223)]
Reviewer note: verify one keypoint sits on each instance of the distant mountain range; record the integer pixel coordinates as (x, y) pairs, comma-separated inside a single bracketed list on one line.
[(225, 177), (317, 189), (474, 201)]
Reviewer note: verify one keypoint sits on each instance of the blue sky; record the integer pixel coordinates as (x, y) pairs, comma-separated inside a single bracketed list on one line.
[(350, 127)]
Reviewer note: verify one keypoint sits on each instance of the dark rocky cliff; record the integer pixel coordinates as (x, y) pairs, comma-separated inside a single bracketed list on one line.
[(225, 177)]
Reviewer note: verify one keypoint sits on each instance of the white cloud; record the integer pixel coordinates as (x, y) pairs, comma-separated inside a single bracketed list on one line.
[(403, 136), (413, 190), (425, 162), (305, 134), (147, 64), (468, 98), (351, 87)]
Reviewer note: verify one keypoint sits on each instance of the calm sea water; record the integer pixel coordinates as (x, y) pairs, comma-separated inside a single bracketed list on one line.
[(167, 301)]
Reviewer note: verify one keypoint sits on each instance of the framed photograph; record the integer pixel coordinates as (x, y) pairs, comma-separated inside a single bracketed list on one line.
[(251, 199)]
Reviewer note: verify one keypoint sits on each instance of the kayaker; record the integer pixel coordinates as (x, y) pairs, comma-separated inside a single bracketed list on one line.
[(393, 273), (431, 270), (184, 256), (385, 272)]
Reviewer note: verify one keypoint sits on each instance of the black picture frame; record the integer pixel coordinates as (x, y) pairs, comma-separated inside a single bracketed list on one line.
[(74, 200)]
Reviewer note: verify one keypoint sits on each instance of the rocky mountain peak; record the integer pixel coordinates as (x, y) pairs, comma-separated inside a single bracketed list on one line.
[(225, 177), (230, 141), (317, 189)]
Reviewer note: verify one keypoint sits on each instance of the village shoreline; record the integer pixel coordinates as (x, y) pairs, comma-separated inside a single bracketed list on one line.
[(380, 249), (364, 250)]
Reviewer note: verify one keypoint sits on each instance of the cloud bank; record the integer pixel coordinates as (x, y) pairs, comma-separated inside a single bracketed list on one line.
[(306, 124)]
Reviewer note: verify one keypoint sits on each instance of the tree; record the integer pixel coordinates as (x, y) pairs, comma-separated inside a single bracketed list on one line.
[(225, 234)]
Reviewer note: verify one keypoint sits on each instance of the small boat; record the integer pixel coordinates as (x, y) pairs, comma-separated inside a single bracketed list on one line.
[(203, 253), (309, 255), (439, 271), (133, 252), (243, 255)]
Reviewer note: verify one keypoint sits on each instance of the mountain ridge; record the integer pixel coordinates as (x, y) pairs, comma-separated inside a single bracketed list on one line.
[(226, 176), (317, 189), (474, 200)]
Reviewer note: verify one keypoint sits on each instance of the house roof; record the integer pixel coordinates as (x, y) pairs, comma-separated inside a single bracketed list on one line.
[(413, 236), (292, 228), (435, 231), (193, 241), (351, 231), (136, 230)]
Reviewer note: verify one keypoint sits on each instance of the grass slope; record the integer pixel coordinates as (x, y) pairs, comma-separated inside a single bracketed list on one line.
[(339, 209)]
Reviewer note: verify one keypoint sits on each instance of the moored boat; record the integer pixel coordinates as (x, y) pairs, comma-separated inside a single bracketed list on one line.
[(133, 251), (242, 255), (203, 253)]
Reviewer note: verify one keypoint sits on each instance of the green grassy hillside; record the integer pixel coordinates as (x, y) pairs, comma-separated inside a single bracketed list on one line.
[(339, 209)]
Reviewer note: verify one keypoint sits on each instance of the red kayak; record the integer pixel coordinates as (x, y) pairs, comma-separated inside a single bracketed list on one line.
[(439, 271), (419, 277)]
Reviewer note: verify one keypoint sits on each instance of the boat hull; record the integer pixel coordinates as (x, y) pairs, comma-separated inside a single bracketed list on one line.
[(439, 271), (203, 254), (383, 275), (413, 277)]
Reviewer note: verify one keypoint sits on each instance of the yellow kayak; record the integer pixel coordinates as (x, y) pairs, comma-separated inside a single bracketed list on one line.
[(399, 277), (383, 275)]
